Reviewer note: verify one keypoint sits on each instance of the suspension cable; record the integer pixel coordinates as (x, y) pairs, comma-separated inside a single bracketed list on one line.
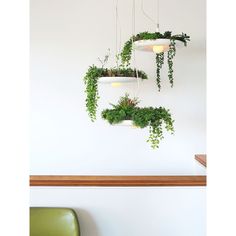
[(156, 23)]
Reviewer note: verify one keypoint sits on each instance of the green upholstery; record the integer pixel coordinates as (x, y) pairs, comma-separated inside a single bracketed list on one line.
[(46, 221)]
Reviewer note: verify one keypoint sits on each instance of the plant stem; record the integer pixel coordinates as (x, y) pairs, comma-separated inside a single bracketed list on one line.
[(159, 62), (171, 54)]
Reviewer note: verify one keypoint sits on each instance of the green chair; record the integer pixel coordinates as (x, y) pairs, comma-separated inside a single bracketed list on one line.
[(46, 221)]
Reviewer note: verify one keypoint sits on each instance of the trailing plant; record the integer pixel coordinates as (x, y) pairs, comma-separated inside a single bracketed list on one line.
[(127, 109), (170, 55), (128, 47), (91, 82), (159, 62)]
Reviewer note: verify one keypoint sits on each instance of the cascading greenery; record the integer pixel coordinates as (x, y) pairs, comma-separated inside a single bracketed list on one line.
[(159, 62), (170, 55), (127, 51), (127, 109), (91, 83)]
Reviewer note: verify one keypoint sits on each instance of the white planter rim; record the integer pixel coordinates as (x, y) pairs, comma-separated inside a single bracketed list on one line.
[(125, 123), (117, 79), (147, 44), (152, 42)]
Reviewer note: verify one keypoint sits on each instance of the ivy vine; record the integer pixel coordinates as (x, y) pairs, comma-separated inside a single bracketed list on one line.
[(154, 118), (128, 47), (159, 62), (91, 82), (170, 55)]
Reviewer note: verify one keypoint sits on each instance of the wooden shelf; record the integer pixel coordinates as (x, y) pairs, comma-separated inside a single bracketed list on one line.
[(202, 159), (126, 181)]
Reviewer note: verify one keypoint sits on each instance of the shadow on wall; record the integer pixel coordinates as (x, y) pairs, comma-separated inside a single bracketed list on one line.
[(87, 224)]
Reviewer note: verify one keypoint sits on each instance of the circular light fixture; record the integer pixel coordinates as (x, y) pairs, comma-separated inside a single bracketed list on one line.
[(117, 81), (156, 45)]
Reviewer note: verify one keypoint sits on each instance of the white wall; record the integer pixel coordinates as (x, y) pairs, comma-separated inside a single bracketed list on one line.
[(69, 35), (131, 211), (66, 37)]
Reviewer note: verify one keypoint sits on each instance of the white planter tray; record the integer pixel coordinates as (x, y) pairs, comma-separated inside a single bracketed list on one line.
[(146, 45), (125, 123), (115, 79)]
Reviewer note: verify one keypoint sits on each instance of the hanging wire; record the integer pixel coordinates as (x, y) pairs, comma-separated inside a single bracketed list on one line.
[(156, 23), (158, 16), (118, 25), (118, 19), (134, 60), (116, 9), (133, 32)]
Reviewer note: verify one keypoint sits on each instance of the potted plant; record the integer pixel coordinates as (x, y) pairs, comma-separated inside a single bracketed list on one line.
[(121, 73), (153, 118), (158, 43)]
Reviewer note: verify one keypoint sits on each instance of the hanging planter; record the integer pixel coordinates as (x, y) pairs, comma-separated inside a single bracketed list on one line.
[(118, 76), (116, 81), (115, 76), (152, 45), (153, 118), (126, 123), (157, 43)]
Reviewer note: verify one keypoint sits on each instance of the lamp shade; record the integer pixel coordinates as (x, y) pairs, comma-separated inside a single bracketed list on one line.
[(117, 80), (157, 45)]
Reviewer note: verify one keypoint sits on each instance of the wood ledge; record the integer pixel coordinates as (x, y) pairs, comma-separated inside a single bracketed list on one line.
[(202, 159), (122, 181)]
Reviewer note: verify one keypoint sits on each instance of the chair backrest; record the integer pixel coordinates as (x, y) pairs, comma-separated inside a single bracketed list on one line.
[(46, 221)]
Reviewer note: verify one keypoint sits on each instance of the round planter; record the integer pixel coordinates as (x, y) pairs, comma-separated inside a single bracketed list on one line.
[(115, 79), (126, 123), (147, 45)]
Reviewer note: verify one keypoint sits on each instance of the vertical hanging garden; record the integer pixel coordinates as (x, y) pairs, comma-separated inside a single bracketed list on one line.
[(127, 111)]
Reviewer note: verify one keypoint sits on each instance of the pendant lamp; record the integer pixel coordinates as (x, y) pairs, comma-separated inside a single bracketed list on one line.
[(117, 81), (158, 45)]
